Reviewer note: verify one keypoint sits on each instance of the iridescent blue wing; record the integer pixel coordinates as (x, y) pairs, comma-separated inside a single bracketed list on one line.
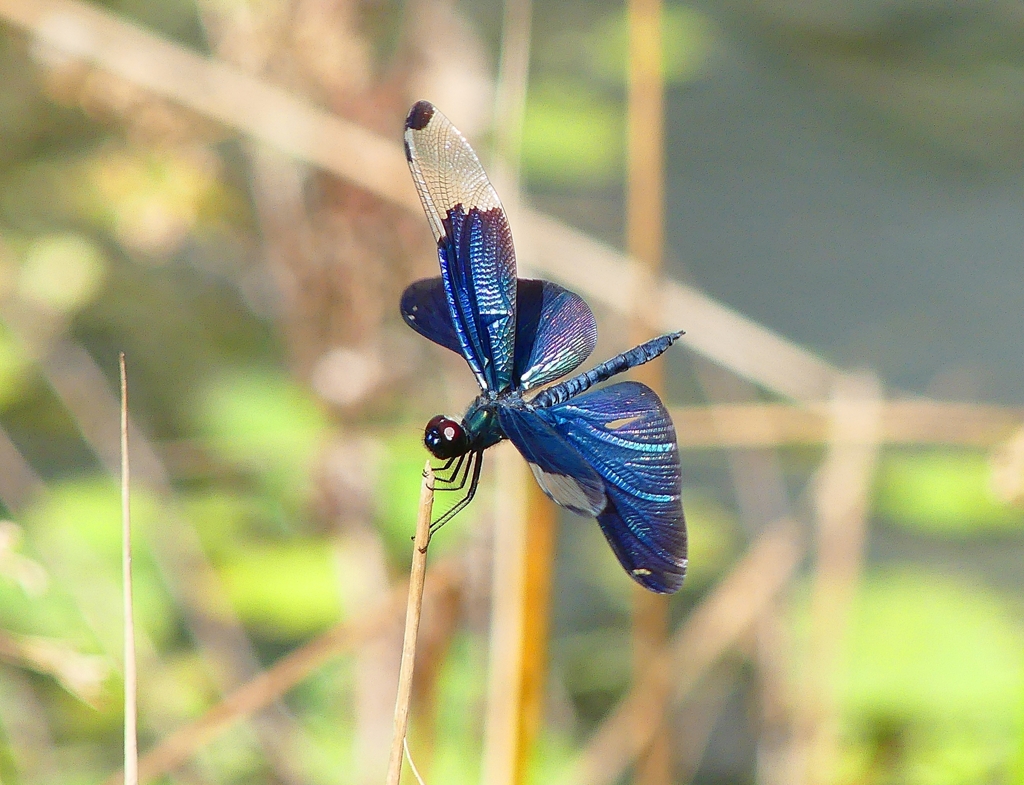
[(555, 329), (555, 332), (474, 242), (560, 470), (624, 432)]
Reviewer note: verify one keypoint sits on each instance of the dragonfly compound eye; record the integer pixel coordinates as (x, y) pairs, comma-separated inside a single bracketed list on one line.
[(445, 438)]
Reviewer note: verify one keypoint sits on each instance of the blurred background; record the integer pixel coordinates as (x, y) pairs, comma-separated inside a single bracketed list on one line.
[(215, 187)]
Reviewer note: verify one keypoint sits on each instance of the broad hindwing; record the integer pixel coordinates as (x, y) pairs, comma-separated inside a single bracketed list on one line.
[(624, 432), (561, 472), (425, 309), (555, 332), (478, 264)]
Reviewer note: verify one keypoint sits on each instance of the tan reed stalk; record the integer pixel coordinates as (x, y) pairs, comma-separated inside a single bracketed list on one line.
[(131, 737), (842, 501), (417, 576), (243, 102), (645, 231), (717, 625), (290, 670), (525, 526)]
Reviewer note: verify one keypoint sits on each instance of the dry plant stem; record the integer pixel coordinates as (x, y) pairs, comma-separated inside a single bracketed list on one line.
[(253, 107), (503, 706), (417, 577), (901, 422), (538, 570), (842, 491), (645, 231), (79, 383), (287, 672), (715, 626), (131, 737)]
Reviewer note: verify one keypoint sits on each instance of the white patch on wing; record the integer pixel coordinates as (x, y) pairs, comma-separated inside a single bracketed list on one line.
[(564, 490), (622, 422)]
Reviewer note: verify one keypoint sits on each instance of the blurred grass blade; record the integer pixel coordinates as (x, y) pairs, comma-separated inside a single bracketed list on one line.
[(502, 742), (842, 495), (417, 577), (264, 112), (270, 685), (131, 736), (713, 628), (645, 235)]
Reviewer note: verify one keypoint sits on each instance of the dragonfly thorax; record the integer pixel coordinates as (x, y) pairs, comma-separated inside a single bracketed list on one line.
[(445, 438)]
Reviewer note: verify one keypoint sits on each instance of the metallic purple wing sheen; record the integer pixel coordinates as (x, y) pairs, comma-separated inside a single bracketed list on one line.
[(424, 308), (555, 329), (624, 432), (555, 332), (560, 471), (474, 243)]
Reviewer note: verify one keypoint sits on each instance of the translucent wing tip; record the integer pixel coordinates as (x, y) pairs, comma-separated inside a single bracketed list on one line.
[(419, 115)]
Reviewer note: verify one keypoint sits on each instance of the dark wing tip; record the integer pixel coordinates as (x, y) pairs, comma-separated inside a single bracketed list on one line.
[(660, 582), (419, 115)]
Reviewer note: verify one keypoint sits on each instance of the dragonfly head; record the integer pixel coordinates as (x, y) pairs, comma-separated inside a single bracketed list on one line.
[(445, 438)]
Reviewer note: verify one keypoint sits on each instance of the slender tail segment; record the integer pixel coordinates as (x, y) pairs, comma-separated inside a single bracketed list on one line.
[(639, 355)]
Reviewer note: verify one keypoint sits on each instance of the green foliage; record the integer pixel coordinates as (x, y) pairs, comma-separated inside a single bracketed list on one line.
[(714, 538), (572, 135), (61, 273), (285, 591), (933, 680), (76, 525), (151, 200), (688, 42), (462, 690), (15, 368), (936, 647), (942, 492), (267, 423)]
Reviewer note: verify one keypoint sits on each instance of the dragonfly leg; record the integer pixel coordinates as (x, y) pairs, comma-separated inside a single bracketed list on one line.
[(439, 476), (476, 462), (454, 481)]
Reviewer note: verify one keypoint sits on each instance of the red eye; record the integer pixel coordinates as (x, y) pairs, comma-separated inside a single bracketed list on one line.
[(445, 438)]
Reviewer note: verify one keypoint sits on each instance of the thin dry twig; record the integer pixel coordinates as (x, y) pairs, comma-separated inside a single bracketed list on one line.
[(80, 674), (645, 240), (295, 126), (417, 576), (503, 708), (131, 708), (285, 674), (842, 491), (902, 422), (79, 383), (713, 628)]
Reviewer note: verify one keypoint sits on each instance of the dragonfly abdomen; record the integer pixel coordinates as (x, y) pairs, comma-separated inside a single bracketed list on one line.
[(638, 355)]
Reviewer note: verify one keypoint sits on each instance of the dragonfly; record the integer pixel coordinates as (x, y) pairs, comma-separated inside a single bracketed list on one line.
[(610, 452)]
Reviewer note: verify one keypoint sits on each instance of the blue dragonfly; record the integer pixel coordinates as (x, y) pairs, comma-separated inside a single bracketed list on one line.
[(609, 453)]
